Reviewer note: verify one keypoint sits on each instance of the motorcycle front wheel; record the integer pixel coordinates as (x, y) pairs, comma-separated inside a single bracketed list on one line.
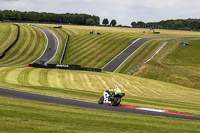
[(116, 101), (101, 100)]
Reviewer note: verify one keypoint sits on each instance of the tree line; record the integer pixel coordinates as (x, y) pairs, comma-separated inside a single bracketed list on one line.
[(32, 16), (178, 24)]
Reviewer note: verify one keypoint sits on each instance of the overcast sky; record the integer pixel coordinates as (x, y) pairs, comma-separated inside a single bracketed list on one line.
[(124, 11)]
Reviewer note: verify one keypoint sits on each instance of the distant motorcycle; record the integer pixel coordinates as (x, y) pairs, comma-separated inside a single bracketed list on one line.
[(112, 97)]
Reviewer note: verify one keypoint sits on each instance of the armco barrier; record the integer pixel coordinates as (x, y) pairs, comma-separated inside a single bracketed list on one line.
[(68, 67), (17, 38), (65, 49)]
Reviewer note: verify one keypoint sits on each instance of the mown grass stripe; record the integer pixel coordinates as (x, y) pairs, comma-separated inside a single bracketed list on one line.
[(92, 51), (34, 77), (23, 77), (85, 49), (4, 72), (103, 52), (13, 75), (39, 46), (28, 46), (7, 36), (87, 39), (103, 48), (43, 77), (82, 43)]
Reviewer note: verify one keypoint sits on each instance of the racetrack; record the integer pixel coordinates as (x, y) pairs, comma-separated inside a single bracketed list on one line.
[(52, 46), (111, 66), (62, 101), (114, 64)]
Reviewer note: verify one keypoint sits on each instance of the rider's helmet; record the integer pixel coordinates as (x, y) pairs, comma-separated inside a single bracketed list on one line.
[(117, 90)]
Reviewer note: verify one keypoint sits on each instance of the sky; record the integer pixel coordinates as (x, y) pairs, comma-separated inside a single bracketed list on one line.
[(124, 11)]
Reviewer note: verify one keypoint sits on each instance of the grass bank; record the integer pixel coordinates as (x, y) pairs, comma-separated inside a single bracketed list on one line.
[(89, 86), (8, 34), (175, 64), (29, 47)]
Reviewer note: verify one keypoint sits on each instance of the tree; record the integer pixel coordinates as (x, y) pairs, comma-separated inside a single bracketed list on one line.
[(105, 21), (90, 21), (140, 24), (134, 24), (113, 23)]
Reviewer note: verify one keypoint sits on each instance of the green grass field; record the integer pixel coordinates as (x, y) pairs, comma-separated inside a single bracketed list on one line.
[(8, 34), (180, 66), (95, 51), (30, 46), (30, 117)]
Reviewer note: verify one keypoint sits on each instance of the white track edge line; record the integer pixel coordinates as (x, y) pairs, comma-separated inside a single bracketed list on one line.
[(153, 110), (57, 45), (46, 45)]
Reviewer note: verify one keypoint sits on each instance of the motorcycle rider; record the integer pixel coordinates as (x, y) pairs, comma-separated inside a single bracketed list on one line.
[(113, 92)]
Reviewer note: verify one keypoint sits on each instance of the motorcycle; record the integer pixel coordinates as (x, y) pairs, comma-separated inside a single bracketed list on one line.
[(112, 97)]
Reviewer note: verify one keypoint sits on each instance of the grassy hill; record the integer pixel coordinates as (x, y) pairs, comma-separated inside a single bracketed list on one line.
[(30, 46), (29, 117), (97, 50), (8, 33), (180, 66), (89, 86)]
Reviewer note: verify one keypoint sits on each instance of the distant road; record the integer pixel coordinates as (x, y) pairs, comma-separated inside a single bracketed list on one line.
[(52, 46), (114, 64), (69, 102)]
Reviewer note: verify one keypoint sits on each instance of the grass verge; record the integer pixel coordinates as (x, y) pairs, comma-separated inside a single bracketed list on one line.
[(21, 116)]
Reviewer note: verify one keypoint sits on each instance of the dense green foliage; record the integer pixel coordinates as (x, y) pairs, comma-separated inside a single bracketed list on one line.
[(105, 21), (179, 24), (80, 19), (113, 22)]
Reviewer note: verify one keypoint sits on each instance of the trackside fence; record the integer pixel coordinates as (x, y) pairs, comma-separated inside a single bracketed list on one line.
[(67, 67), (65, 49)]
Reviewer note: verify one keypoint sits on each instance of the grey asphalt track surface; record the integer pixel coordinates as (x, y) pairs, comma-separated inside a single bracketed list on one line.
[(51, 48), (119, 59), (62, 101)]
